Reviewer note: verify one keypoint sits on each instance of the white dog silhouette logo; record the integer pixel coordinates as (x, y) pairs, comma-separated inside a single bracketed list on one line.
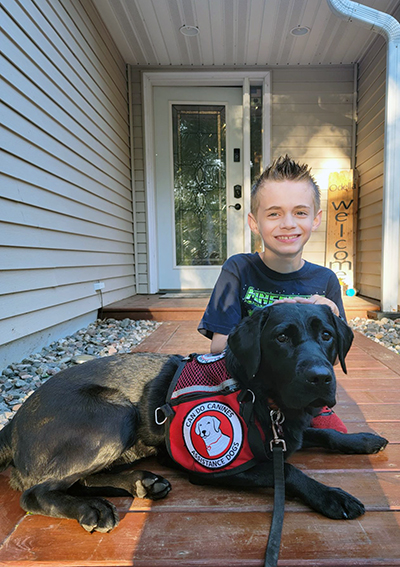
[(213, 434), (209, 429)]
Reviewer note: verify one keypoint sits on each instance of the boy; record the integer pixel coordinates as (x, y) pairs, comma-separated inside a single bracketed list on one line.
[(285, 210)]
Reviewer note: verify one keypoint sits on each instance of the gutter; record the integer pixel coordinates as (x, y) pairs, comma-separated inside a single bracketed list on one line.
[(389, 27)]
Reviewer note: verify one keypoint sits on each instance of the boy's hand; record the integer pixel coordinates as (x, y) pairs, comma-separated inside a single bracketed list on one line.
[(317, 299)]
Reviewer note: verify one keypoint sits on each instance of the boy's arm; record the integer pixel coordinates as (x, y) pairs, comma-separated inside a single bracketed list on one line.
[(223, 311), (218, 343), (332, 297)]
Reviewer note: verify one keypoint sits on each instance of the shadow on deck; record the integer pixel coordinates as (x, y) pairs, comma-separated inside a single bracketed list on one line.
[(211, 527)]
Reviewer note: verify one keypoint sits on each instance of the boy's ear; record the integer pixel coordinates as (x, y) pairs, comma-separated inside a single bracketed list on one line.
[(317, 220), (252, 223)]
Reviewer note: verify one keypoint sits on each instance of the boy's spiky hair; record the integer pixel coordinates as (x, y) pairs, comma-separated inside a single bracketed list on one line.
[(282, 169)]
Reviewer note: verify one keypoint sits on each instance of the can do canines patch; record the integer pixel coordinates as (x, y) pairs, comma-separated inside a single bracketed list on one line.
[(213, 434)]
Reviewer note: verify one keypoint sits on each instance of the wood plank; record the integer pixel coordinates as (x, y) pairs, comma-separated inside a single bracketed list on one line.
[(369, 412), (364, 396), (388, 429), (369, 375), (340, 243), (315, 459), (377, 491), (219, 539), (378, 352), (10, 511)]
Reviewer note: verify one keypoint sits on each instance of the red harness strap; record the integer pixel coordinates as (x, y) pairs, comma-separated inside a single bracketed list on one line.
[(208, 427)]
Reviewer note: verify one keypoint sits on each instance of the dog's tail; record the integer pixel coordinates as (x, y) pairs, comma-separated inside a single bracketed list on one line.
[(5, 447)]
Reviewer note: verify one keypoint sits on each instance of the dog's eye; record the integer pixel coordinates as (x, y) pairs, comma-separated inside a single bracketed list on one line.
[(282, 338), (326, 336)]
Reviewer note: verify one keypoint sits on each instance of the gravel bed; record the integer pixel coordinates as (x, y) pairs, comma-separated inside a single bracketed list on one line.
[(101, 338), (385, 332)]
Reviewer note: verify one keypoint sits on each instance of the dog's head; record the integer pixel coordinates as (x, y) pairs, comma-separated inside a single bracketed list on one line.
[(287, 351), (207, 425)]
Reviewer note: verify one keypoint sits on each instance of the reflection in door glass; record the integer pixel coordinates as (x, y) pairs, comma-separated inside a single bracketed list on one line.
[(199, 142), (256, 147)]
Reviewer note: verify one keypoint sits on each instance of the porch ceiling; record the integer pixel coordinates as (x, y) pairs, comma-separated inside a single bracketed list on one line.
[(235, 32)]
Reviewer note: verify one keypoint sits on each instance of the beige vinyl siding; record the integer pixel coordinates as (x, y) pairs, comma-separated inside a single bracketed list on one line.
[(369, 163), (138, 175), (65, 191), (312, 121)]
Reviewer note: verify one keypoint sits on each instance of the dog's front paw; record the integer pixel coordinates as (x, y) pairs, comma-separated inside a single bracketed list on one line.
[(151, 486), (98, 515), (340, 505), (357, 443), (373, 443)]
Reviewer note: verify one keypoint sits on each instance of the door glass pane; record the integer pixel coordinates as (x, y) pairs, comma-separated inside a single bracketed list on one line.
[(255, 147), (199, 143)]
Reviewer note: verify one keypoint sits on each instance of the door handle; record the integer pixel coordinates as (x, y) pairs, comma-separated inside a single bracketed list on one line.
[(238, 206)]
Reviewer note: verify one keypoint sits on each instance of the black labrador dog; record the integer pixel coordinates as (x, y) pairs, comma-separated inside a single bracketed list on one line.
[(68, 442)]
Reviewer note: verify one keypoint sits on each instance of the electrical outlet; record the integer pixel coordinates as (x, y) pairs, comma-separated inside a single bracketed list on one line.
[(99, 286)]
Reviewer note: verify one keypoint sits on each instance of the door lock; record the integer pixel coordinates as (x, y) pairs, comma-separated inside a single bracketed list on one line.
[(237, 191), (237, 206)]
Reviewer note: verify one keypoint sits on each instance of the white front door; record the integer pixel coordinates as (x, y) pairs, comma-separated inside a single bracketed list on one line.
[(199, 183)]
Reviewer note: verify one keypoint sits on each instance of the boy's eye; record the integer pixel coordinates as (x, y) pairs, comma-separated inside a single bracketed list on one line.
[(302, 213)]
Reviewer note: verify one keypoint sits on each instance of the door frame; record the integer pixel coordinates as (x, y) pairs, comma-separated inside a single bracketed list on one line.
[(152, 79)]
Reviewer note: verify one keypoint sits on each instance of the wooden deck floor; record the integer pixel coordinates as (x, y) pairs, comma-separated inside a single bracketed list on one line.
[(211, 527), (190, 307)]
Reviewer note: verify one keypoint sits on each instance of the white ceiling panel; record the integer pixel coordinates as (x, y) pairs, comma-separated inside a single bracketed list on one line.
[(235, 33)]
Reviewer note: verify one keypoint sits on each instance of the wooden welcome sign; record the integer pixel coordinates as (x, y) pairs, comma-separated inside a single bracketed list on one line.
[(341, 226)]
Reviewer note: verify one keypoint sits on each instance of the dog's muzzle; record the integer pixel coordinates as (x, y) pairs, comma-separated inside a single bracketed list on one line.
[(320, 385), (314, 385)]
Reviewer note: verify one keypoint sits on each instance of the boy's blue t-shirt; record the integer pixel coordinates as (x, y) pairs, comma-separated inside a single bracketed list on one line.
[(246, 284)]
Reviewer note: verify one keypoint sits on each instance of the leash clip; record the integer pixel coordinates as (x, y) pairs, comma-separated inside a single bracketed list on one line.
[(277, 418)]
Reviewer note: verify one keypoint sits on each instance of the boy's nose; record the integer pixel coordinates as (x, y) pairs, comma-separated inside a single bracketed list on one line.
[(288, 221)]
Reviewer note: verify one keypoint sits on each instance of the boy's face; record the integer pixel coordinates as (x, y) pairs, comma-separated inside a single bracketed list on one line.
[(285, 218)]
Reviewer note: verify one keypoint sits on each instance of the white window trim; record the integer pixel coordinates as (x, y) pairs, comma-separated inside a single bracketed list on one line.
[(152, 79)]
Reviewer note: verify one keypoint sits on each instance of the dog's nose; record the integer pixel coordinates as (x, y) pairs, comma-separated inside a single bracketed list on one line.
[(319, 377)]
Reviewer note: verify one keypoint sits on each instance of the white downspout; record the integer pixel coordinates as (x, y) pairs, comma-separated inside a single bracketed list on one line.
[(389, 27)]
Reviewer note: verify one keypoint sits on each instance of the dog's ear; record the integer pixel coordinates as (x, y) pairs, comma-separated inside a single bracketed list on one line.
[(244, 341), (344, 336)]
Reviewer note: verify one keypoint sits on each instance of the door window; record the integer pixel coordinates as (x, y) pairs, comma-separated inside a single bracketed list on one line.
[(199, 155)]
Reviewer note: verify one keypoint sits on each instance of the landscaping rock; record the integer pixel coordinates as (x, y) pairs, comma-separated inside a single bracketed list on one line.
[(101, 338)]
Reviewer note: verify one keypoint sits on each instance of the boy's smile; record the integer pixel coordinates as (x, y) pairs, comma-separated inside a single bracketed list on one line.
[(285, 219)]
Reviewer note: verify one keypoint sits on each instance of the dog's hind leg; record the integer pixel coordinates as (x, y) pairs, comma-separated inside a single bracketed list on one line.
[(142, 484), (51, 499)]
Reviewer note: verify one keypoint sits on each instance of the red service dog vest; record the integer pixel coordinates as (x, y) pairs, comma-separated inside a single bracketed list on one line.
[(207, 428)]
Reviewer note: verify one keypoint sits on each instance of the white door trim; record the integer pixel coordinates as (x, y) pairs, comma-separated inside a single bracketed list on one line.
[(196, 78)]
